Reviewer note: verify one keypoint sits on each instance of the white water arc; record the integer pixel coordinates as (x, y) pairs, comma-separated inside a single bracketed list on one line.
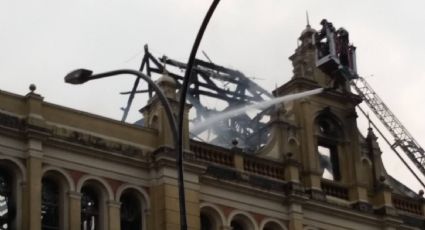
[(260, 105)]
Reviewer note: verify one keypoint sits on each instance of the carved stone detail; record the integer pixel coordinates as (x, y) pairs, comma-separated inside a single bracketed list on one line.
[(97, 142), (363, 207), (11, 121)]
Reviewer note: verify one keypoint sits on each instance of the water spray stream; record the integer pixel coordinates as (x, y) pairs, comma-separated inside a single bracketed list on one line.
[(260, 105)]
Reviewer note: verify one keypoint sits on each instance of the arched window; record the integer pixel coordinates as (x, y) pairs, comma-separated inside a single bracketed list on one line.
[(236, 225), (242, 222), (206, 223), (50, 204), (131, 211), (11, 181), (6, 214), (211, 217), (89, 209), (54, 199), (329, 135), (272, 226)]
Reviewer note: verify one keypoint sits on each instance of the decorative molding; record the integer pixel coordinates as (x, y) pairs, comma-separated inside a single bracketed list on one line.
[(63, 173), (316, 194), (362, 207), (74, 195), (96, 142), (245, 215), (205, 206), (295, 189), (37, 128), (386, 210), (142, 192), (105, 186), (11, 121)]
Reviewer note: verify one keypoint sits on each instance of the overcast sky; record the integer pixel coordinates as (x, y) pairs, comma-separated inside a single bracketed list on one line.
[(42, 40)]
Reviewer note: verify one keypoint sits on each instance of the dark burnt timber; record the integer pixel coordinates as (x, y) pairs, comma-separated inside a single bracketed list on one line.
[(212, 82)]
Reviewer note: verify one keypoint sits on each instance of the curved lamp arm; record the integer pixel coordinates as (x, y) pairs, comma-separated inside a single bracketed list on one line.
[(81, 76)]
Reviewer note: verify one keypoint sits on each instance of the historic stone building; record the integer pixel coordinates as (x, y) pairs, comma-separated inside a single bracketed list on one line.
[(66, 169)]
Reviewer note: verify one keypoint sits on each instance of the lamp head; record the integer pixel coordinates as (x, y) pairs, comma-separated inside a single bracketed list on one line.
[(78, 76)]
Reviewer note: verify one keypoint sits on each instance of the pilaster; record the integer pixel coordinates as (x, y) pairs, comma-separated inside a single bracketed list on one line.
[(34, 192), (165, 206), (238, 162), (292, 170), (359, 198), (35, 130), (34, 185), (114, 214), (164, 195), (74, 210), (310, 160), (383, 200), (295, 217)]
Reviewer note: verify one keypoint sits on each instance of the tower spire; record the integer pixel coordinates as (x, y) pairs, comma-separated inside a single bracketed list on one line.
[(308, 19)]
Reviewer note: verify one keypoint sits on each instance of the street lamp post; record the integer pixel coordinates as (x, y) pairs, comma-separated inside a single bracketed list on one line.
[(183, 92), (81, 76)]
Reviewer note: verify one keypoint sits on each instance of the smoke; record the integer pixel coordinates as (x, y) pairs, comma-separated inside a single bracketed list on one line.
[(260, 105)]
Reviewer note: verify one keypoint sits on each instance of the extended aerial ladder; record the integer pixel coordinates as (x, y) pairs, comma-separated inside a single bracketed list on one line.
[(336, 57)]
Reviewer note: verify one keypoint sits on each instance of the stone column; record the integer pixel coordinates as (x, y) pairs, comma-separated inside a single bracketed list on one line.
[(33, 188), (22, 216), (295, 217), (359, 198), (165, 209), (383, 200), (36, 131), (238, 162), (292, 171), (193, 210), (310, 160), (114, 214), (74, 210)]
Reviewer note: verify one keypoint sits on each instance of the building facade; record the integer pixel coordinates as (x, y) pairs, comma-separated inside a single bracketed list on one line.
[(66, 169)]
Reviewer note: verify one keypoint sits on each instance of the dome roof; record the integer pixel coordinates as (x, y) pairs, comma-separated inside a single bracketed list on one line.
[(166, 79), (308, 30)]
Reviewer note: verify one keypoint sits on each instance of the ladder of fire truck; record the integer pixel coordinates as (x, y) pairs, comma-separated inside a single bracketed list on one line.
[(335, 56), (403, 139)]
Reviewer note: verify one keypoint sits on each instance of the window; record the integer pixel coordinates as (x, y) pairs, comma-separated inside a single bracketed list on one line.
[(236, 225), (329, 136), (89, 209), (205, 222), (131, 215), (50, 204), (6, 214), (327, 127), (329, 162), (272, 226), (210, 218)]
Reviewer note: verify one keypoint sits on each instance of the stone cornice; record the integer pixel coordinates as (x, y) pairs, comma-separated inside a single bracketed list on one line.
[(96, 142), (36, 128)]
